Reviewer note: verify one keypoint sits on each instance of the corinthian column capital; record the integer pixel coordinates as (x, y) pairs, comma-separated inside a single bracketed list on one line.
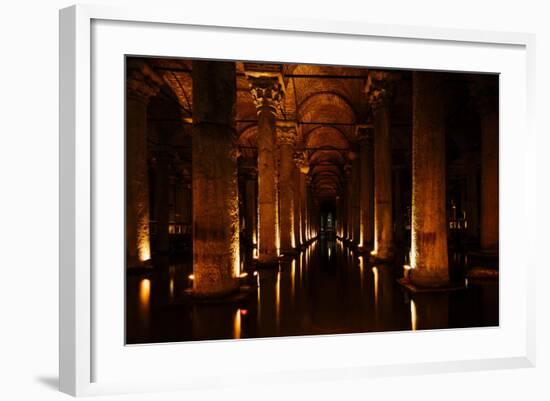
[(141, 82), (267, 90), (286, 133), (378, 88), (300, 158)]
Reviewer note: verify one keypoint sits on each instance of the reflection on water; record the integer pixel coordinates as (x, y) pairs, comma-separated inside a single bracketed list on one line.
[(413, 315), (237, 324), (144, 299), (325, 289)]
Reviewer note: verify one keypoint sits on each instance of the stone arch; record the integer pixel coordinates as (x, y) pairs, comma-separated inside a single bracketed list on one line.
[(313, 107)]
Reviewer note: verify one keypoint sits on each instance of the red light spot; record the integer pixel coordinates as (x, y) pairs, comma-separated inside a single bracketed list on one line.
[(243, 311)]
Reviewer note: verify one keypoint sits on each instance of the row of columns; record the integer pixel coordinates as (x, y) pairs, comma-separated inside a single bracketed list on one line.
[(375, 225), (283, 224), (284, 200), (367, 212), (142, 84)]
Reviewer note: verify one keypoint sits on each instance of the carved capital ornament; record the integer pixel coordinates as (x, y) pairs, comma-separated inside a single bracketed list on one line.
[(300, 158), (286, 133), (142, 82), (378, 88), (267, 93)]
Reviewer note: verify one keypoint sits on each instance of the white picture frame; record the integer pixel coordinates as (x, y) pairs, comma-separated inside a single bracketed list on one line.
[(84, 353)]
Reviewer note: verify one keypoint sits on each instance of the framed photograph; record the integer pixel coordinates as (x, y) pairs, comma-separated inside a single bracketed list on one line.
[(278, 200)]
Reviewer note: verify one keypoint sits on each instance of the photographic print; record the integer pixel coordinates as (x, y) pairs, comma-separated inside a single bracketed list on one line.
[(279, 199)]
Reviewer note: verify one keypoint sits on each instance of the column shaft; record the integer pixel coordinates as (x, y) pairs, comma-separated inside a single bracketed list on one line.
[(162, 211), (286, 137), (251, 211), (303, 206), (366, 206), (383, 224), (141, 85), (356, 194), (267, 93), (489, 182), (267, 188), (349, 203), (429, 255), (215, 191), (297, 209)]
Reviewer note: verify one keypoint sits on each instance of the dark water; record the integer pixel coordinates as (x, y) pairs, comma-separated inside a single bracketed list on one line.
[(326, 289)]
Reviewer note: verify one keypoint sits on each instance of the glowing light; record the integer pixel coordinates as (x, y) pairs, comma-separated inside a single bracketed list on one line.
[(191, 277), (293, 277), (144, 250), (407, 271), (243, 275), (361, 268), (244, 311), (259, 301), (414, 317), (144, 300), (278, 299), (255, 253), (376, 285), (237, 324), (171, 286), (255, 273), (145, 291)]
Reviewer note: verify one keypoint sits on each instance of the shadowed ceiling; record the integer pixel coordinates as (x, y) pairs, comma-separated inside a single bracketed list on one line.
[(326, 102)]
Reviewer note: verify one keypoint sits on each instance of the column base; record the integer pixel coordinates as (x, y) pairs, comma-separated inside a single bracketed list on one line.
[(267, 263), (485, 257), (482, 273), (289, 252), (235, 285), (146, 265), (415, 288), (381, 257), (364, 248), (238, 294)]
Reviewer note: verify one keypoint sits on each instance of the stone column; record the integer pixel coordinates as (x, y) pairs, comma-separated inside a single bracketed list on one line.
[(355, 200), (286, 139), (162, 190), (297, 209), (367, 190), (378, 96), (487, 103), (308, 206), (346, 203), (399, 208), (215, 188), (429, 255), (339, 216), (267, 92), (187, 201), (251, 208), (303, 200), (302, 169), (472, 201), (141, 84)]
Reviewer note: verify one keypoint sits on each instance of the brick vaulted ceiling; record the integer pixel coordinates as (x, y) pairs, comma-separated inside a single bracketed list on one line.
[(326, 102)]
